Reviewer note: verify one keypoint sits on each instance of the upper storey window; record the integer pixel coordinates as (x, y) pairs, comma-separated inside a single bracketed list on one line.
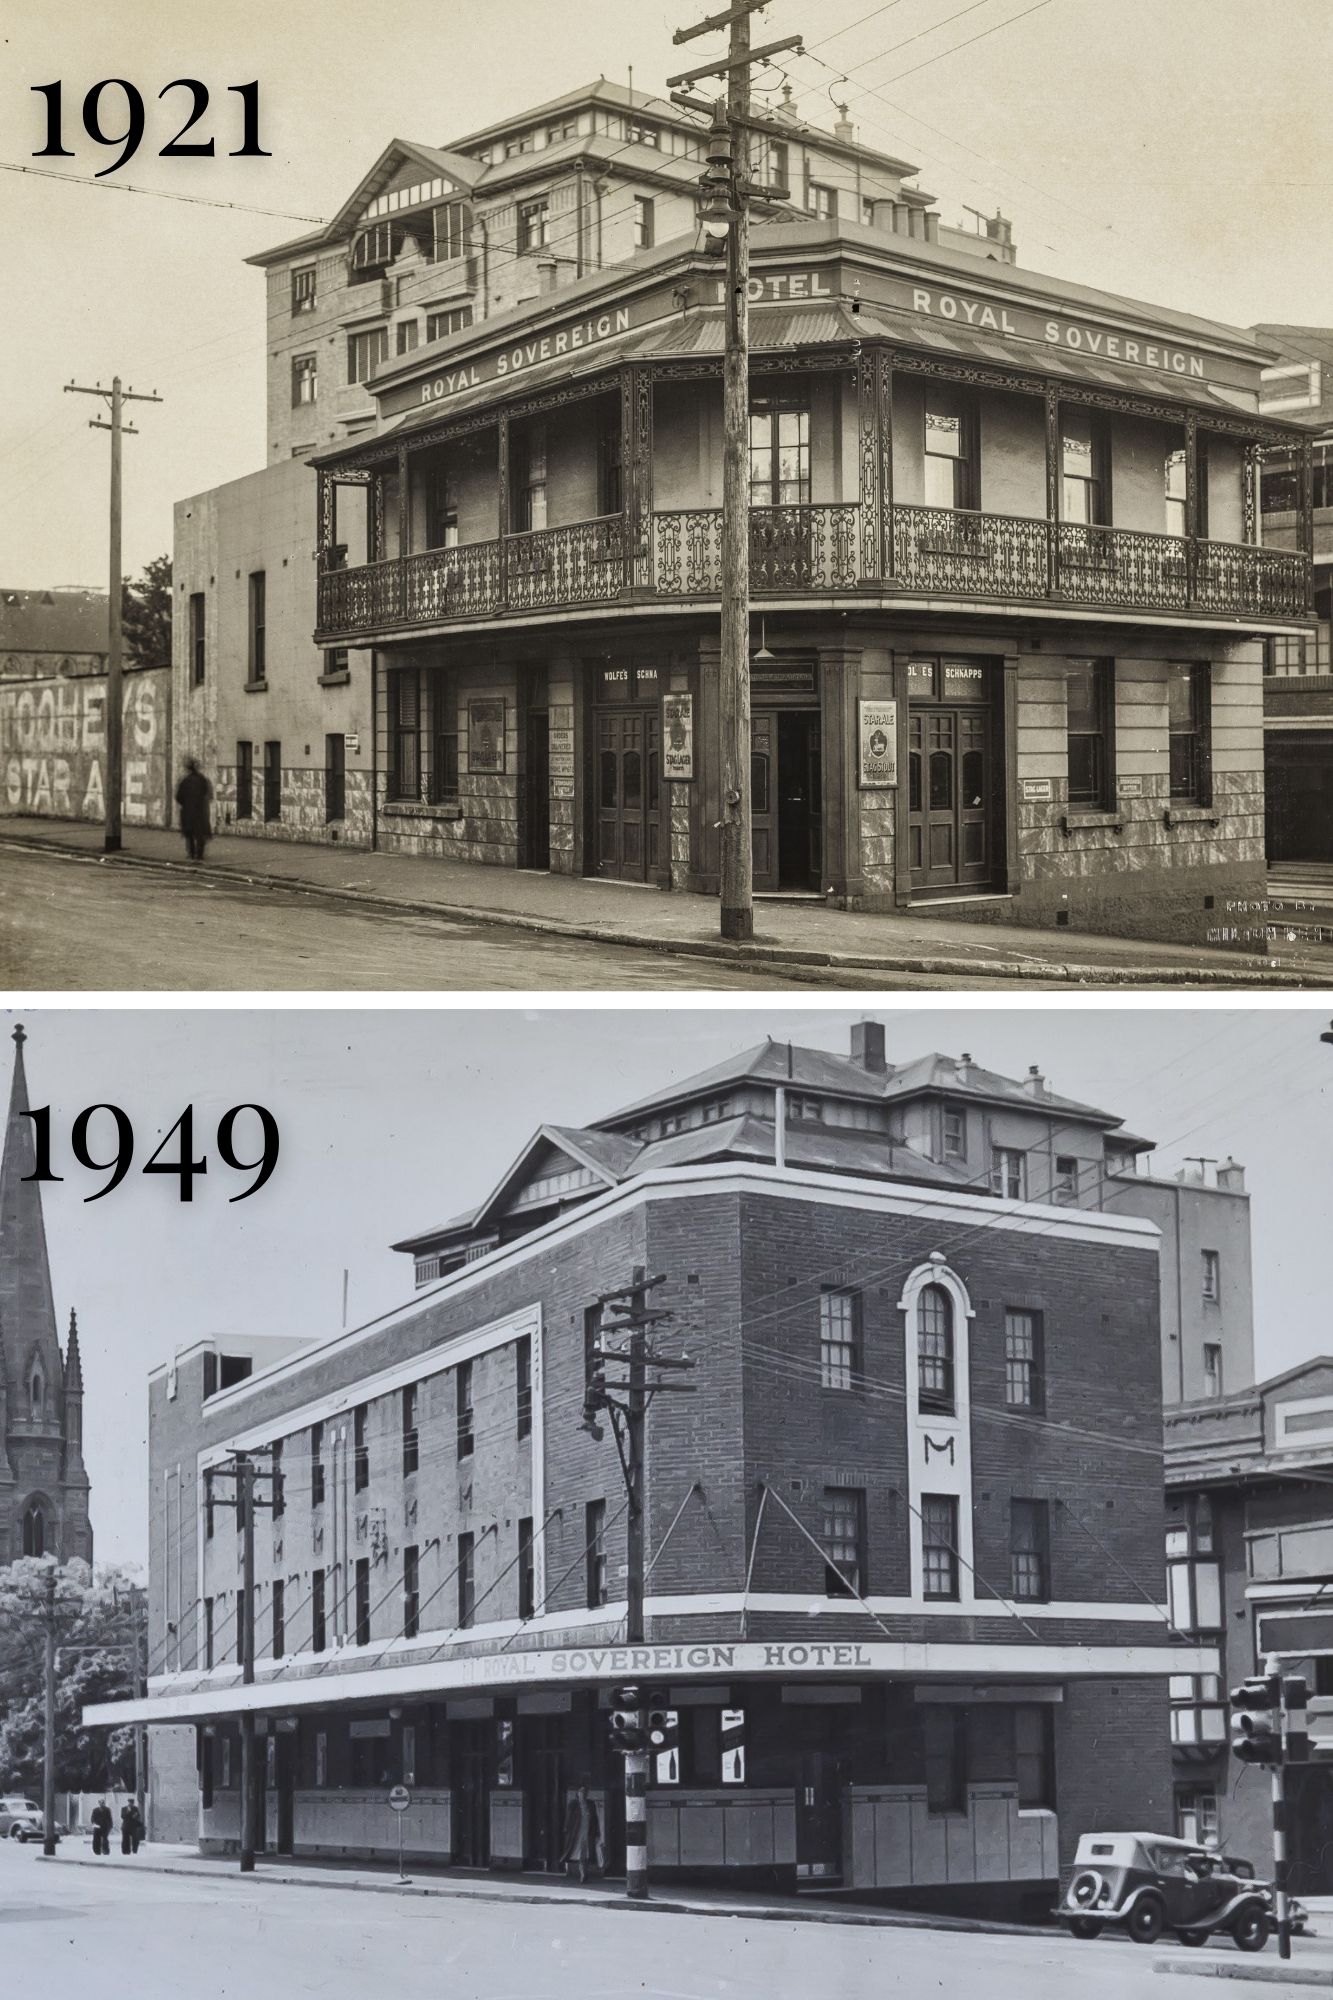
[(534, 225), (951, 450), (1085, 458), (779, 451), (303, 289)]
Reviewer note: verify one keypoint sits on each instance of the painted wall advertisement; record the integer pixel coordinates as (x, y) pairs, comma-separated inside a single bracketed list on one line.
[(678, 736), (878, 736), (53, 747)]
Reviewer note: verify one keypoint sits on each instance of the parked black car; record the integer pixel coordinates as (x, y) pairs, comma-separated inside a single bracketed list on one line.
[(1148, 1883)]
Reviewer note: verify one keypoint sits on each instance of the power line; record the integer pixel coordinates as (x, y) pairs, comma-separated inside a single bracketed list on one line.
[(158, 194), (997, 29)]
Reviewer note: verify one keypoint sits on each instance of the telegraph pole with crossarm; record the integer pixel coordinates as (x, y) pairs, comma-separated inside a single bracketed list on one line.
[(626, 1321), (726, 226), (115, 398), (240, 1468)]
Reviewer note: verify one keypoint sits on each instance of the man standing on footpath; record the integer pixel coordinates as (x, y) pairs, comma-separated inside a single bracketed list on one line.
[(193, 796)]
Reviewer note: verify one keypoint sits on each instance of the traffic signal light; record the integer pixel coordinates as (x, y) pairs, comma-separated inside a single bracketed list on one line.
[(1256, 1720), (628, 1734)]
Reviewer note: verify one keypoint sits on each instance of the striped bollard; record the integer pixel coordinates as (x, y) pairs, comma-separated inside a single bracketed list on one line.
[(636, 1824), (1280, 1862)]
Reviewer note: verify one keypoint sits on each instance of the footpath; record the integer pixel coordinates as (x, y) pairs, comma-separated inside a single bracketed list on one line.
[(165, 1858), (822, 944)]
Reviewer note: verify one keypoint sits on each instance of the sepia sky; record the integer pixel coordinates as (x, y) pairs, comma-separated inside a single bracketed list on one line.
[(1174, 150), (393, 1121)]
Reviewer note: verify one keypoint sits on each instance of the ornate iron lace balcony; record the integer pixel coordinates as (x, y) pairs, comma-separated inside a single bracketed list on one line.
[(815, 551)]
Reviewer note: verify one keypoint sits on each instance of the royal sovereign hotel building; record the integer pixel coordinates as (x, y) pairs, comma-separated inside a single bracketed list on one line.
[(905, 1619), (1010, 597)]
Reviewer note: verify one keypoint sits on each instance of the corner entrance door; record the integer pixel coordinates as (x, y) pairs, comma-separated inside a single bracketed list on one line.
[(786, 800), (949, 797), (470, 1770), (544, 1816), (628, 780), (819, 1817), (537, 790)]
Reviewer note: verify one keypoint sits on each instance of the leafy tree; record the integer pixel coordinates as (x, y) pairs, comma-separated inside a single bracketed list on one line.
[(145, 610), (95, 1641)]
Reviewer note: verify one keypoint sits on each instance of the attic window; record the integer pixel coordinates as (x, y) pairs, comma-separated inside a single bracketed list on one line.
[(713, 1113), (408, 197), (811, 1109)]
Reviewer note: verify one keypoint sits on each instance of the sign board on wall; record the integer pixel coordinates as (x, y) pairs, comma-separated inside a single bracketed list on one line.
[(53, 747), (877, 733), (678, 737), (486, 736), (1038, 790), (1130, 788)]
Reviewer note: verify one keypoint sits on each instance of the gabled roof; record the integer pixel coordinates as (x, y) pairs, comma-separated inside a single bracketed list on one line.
[(439, 164), (604, 1155)]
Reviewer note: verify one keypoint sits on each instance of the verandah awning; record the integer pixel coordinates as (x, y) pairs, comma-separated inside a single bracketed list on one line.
[(594, 1663)]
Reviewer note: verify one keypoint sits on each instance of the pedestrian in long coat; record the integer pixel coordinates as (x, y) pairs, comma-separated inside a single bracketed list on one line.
[(583, 1835), (127, 1818), (193, 796), (100, 1821)]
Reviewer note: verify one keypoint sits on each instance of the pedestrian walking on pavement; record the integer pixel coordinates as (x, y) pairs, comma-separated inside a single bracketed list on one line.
[(100, 1821), (136, 1829), (194, 795), (131, 1828), (583, 1836)]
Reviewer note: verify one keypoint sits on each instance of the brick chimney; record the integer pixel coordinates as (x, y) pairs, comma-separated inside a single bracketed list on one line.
[(843, 127), (868, 1046), (547, 273), (1231, 1176), (1034, 1083)]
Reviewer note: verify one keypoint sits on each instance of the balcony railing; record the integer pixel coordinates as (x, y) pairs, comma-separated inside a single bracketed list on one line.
[(969, 555), (815, 550), (580, 564), (791, 549)]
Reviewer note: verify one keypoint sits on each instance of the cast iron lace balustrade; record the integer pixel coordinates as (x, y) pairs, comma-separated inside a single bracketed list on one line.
[(451, 583), (583, 563), (1229, 576), (961, 554), (814, 550), (791, 549), (1096, 565)]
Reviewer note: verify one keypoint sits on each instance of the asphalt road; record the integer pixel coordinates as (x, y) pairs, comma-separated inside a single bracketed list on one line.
[(67, 1927), (74, 926)]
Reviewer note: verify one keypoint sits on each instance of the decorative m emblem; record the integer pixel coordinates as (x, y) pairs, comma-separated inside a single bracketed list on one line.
[(944, 1448)]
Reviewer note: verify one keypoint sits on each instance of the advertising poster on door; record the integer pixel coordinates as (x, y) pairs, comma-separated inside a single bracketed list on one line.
[(877, 734)]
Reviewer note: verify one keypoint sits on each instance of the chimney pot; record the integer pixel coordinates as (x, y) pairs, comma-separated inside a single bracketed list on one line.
[(867, 1046)]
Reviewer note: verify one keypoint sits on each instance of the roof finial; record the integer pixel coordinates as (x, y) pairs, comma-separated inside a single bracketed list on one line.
[(20, 1034)]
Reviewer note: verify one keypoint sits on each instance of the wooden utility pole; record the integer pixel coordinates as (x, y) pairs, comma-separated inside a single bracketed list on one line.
[(242, 1472), (49, 1715), (115, 398), (736, 855), (628, 1314)]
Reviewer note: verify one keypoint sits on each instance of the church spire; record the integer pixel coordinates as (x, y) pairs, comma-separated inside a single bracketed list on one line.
[(72, 1467), (28, 1339)]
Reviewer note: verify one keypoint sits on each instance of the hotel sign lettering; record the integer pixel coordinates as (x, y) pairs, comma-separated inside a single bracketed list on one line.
[(1079, 336)]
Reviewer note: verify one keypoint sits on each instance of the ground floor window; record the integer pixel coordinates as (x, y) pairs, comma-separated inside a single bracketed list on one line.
[(335, 778), (1196, 1815), (245, 780), (423, 736), (1189, 712)]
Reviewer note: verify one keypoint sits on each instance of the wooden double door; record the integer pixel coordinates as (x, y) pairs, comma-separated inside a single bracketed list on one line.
[(786, 799), (950, 779), (627, 776)]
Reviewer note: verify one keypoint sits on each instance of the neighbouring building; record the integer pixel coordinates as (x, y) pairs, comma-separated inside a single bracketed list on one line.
[(1298, 688), (1010, 590), (1250, 1565), (904, 1610), (44, 1485), (52, 713)]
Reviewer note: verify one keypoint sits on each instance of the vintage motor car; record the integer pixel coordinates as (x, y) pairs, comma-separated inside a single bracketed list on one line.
[(1148, 1883), (20, 1819)]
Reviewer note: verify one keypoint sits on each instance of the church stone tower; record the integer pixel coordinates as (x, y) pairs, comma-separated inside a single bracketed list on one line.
[(43, 1484)]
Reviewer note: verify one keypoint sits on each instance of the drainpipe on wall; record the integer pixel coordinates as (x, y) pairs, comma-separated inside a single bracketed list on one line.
[(578, 223), (780, 1128)]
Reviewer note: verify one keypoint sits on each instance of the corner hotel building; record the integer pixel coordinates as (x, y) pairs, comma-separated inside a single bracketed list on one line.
[(904, 1539), (1009, 591)]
